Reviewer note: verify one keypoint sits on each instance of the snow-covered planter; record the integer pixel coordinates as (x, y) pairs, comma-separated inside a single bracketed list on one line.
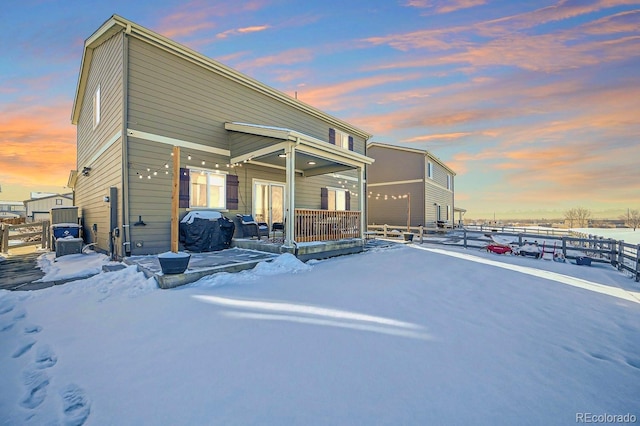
[(174, 263)]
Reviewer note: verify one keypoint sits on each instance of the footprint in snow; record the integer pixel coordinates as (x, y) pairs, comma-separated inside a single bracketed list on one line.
[(75, 405), (45, 357), (32, 329), (6, 305), (23, 348), (36, 382), (19, 314), (6, 325)]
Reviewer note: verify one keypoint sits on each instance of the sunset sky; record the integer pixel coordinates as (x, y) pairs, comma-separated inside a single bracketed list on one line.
[(535, 105)]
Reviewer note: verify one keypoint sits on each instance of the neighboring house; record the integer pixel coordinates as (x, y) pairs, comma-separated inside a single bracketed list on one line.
[(403, 178), (11, 209), (244, 148), (39, 208)]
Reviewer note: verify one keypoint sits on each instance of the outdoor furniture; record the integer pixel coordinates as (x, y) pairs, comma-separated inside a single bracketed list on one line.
[(247, 227)]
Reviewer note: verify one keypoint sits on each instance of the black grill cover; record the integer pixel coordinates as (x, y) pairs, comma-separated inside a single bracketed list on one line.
[(204, 235)]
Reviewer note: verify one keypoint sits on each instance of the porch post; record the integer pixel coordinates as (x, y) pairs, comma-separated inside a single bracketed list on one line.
[(290, 190), (362, 201)]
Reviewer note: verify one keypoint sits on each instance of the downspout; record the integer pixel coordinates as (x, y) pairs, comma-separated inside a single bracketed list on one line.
[(126, 231)]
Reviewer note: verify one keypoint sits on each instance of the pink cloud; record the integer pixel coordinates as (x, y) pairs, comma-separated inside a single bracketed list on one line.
[(245, 30), (37, 144), (197, 16)]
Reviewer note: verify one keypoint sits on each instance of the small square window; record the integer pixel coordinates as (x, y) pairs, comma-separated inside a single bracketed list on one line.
[(58, 202)]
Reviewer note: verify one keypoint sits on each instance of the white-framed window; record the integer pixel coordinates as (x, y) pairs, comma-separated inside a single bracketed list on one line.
[(96, 107), (207, 189), (449, 181), (337, 199), (58, 202), (430, 170), (342, 139)]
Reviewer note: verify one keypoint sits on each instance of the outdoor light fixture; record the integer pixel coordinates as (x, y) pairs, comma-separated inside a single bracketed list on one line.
[(311, 163), (282, 155), (85, 171)]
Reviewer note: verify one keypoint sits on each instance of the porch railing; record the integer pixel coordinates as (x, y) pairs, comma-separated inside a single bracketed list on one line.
[(326, 225)]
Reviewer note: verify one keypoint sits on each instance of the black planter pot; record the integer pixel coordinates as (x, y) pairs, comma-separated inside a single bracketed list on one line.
[(408, 236), (174, 263)]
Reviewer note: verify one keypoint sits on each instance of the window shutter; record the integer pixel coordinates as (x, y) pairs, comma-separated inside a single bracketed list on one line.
[(232, 192), (350, 143), (183, 199), (324, 198), (347, 200), (332, 136)]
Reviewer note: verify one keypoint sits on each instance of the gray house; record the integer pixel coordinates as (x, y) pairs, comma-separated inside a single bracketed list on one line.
[(244, 148), (406, 184)]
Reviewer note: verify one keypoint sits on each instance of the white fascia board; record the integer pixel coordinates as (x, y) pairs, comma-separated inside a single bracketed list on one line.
[(397, 182), (306, 143), (109, 28), (261, 152), (177, 142)]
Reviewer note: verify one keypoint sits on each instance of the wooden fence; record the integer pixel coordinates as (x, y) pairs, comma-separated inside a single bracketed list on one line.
[(24, 235), (619, 254), (518, 230)]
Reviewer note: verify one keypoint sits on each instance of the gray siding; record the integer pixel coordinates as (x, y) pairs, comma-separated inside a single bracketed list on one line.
[(106, 170), (174, 97), (394, 212), (394, 165), (436, 192)]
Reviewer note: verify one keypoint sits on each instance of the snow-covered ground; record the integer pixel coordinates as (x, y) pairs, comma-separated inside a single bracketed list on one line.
[(406, 335)]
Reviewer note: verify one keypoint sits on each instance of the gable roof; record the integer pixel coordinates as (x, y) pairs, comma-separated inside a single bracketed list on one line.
[(117, 24), (413, 150)]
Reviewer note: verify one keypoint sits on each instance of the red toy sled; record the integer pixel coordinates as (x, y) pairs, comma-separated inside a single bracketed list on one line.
[(499, 248)]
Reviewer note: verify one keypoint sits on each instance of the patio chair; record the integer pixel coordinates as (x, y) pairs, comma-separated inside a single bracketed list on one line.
[(247, 227)]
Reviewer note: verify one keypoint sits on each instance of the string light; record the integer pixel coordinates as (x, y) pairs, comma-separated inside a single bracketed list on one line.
[(152, 171)]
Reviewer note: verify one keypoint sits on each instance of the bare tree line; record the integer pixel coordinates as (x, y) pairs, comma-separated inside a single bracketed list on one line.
[(579, 218)]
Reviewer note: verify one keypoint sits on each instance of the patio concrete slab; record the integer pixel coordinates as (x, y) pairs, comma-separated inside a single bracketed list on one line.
[(201, 265)]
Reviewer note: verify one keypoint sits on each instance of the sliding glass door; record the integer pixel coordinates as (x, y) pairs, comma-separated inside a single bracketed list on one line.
[(268, 202)]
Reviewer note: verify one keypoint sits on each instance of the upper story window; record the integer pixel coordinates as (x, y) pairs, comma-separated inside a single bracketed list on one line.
[(341, 139), (449, 181), (96, 107), (208, 189), (430, 170)]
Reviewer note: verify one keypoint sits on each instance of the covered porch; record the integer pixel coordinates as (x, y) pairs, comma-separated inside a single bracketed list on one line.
[(298, 156)]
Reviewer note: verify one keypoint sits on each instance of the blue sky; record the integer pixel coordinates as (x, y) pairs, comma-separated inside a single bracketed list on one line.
[(535, 105)]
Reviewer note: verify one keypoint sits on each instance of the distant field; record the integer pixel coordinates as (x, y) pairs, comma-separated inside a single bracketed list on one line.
[(628, 235)]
